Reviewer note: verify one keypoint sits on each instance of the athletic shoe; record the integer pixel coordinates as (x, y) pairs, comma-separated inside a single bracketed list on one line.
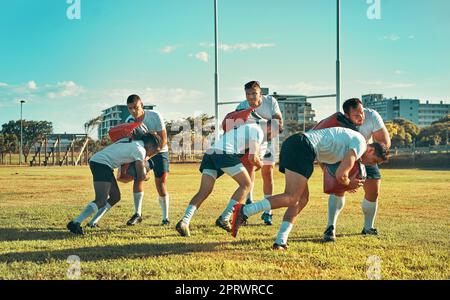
[(165, 222), (267, 218), (224, 224), (238, 218), (329, 234), (371, 231), (93, 225), (135, 219), (183, 229), (279, 247), (75, 228)]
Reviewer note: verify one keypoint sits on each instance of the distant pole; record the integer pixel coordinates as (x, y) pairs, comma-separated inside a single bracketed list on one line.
[(338, 61), (216, 65), (21, 133)]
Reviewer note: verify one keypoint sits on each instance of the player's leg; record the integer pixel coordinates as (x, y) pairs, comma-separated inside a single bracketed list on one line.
[(138, 198), (297, 169), (206, 187), (369, 205), (113, 199), (103, 177), (252, 173), (161, 171), (336, 203), (289, 219), (267, 176), (242, 178)]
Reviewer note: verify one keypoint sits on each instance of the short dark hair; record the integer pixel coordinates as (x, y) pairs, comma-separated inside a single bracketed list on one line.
[(351, 103), (133, 98), (381, 150), (252, 85), (153, 139)]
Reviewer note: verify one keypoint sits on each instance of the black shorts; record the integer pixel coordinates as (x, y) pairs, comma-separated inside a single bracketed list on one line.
[(217, 162), (373, 172), (160, 163), (101, 172), (297, 155)]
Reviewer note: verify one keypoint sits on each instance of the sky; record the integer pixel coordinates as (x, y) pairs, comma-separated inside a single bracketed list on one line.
[(69, 69)]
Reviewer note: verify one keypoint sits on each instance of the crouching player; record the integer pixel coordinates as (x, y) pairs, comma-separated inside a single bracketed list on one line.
[(297, 157), (102, 166), (223, 157)]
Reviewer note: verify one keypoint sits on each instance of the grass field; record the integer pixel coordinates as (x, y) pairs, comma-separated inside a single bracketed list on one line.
[(36, 203)]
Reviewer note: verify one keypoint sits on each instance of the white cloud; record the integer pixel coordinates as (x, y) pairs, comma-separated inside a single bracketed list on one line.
[(385, 85), (391, 37), (411, 37), (32, 85), (3, 84), (203, 56), (303, 88), (399, 72), (239, 46), (168, 49), (64, 89)]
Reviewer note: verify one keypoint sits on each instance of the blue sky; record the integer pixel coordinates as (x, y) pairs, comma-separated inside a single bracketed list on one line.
[(69, 70)]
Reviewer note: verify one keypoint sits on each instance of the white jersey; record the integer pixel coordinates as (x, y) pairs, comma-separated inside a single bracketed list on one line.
[(120, 153), (153, 122), (332, 144), (372, 123), (236, 141), (268, 108)]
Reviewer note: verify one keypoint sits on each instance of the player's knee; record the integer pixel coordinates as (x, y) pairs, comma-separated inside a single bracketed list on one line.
[(114, 200), (100, 202), (292, 199)]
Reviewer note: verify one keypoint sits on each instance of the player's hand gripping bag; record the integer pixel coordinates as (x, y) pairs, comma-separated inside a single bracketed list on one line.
[(331, 185), (127, 172)]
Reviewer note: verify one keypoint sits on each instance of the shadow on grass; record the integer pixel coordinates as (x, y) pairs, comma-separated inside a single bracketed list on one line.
[(97, 253), (319, 239), (14, 234)]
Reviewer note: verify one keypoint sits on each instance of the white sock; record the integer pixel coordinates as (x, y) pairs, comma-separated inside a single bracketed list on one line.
[(370, 210), (250, 193), (188, 214), (335, 205), (100, 213), (138, 197), (254, 208), (283, 233), (164, 203), (89, 210), (226, 215), (266, 196)]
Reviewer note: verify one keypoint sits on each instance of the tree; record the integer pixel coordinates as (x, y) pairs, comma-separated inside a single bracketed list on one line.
[(436, 134), (92, 123), (403, 133), (32, 132)]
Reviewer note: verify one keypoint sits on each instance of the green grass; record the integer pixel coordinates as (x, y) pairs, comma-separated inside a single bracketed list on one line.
[(36, 203)]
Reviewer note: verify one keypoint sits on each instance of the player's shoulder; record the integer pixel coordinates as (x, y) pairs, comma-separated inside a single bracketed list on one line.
[(369, 112)]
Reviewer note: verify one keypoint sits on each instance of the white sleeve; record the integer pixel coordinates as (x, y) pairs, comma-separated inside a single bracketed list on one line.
[(377, 121), (275, 107), (139, 154), (160, 122), (359, 146)]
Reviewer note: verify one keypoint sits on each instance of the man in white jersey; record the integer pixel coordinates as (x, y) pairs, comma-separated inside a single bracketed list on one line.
[(370, 124), (102, 166), (221, 158), (267, 108), (152, 122), (297, 157)]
